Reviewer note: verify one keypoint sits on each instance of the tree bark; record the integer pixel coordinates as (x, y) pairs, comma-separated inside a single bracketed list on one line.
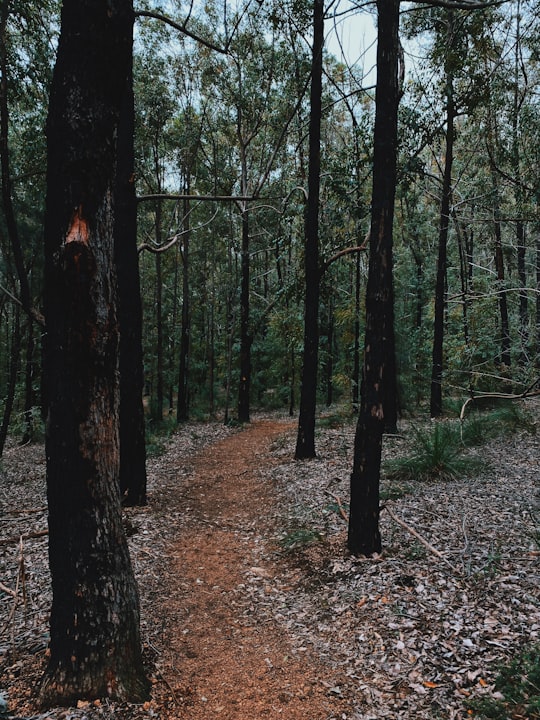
[(364, 536), (14, 362), (305, 441), (182, 406), (95, 648), (246, 339)]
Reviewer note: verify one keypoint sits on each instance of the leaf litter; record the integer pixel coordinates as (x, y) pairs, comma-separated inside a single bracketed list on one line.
[(407, 634)]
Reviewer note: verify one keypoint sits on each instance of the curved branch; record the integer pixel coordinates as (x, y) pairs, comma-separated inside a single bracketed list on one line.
[(346, 251), (181, 27), (528, 392), (171, 242)]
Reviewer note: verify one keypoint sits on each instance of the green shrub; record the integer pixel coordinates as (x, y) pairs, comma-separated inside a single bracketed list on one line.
[(437, 454), (519, 684)]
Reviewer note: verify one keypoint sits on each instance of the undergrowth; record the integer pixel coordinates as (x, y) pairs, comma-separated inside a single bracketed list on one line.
[(518, 684), (438, 450), (437, 454)]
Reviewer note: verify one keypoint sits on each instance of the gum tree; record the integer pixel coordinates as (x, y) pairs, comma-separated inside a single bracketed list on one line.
[(95, 648)]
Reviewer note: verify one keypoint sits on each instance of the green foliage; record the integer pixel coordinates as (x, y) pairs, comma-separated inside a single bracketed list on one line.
[(519, 683), (437, 454), (300, 537), (157, 435), (506, 418)]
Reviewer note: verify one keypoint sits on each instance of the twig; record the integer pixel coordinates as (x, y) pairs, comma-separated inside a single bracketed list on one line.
[(419, 537), (29, 536), (340, 506), (8, 591)]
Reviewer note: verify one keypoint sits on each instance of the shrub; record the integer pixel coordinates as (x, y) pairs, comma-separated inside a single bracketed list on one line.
[(437, 454)]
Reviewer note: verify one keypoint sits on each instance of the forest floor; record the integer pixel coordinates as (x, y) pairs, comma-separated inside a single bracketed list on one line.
[(251, 607)]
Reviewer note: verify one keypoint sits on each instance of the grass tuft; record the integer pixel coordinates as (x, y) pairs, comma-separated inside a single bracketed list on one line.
[(437, 455)]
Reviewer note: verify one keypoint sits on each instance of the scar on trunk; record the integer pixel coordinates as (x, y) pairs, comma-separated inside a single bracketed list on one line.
[(78, 228)]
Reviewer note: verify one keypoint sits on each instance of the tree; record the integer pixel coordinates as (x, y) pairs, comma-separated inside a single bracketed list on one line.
[(363, 533), (95, 648), (446, 198), (305, 440)]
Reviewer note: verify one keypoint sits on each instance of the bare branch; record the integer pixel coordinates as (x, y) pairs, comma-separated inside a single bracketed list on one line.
[(181, 27)]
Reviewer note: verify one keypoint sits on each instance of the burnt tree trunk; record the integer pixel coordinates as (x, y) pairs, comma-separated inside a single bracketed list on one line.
[(246, 339), (182, 410), (436, 404), (364, 537), (305, 441), (95, 648), (132, 436)]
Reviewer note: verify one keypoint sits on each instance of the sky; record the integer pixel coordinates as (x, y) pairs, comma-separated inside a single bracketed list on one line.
[(352, 38)]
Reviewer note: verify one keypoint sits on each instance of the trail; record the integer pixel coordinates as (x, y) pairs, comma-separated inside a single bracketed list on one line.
[(224, 662)]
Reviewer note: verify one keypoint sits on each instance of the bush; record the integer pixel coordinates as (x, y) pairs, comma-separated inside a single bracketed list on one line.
[(437, 455), (519, 684)]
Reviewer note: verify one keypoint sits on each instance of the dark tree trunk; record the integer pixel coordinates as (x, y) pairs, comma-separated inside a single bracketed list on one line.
[(182, 407), (95, 648), (330, 353), (518, 190), (436, 404), (305, 441), (505, 355), (158, 400), (523, 302), (132, 435), (244, 384), (356, 361), (29, 386), (14, 361), (364, 537), (5, 166)]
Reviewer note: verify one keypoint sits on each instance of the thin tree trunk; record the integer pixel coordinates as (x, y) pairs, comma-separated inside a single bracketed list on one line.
[(29, 386), (305, 441), (505, 357), (364, 536), (182, 406), (14, 362), (5, 166), (436, 404), (158, 401), (244, 384), (356, 352)]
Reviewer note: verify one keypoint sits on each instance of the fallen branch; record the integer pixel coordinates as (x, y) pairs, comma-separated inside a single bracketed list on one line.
[(29, 536), (342, 511), (419, 537), (528, 392), (7, 590)]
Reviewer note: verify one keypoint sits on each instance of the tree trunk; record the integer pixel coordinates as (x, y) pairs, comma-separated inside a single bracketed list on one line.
[(132, 433), (356, 352), (157, 406), (5, 166), (14, 361), (29, 386), (436, 406), (244, 384), (182, 406), (364, 537), (95, 648), (305, 441)]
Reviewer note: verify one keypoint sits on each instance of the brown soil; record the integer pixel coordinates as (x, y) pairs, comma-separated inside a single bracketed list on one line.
[(227, 666)]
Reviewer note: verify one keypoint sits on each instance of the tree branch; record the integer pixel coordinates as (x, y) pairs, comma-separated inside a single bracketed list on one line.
[(181, 27)]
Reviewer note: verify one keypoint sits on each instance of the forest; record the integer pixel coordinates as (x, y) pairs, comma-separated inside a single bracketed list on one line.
[(326, 215)]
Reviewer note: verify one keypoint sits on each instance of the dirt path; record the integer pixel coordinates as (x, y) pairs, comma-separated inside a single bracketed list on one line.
[(221, 660)]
